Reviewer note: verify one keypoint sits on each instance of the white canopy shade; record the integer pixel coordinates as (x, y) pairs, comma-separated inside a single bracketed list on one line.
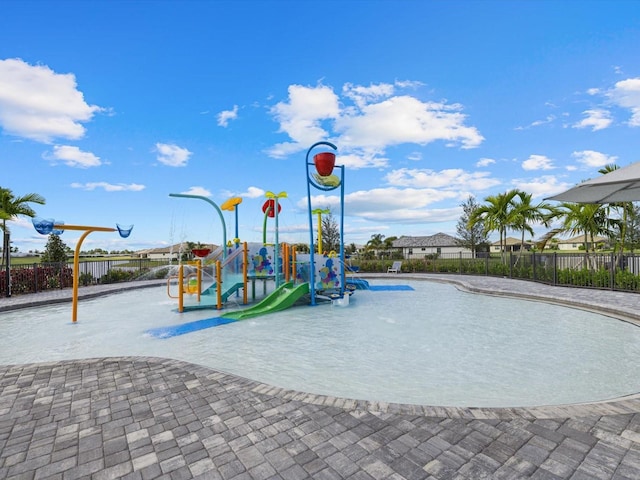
[(621, 185)]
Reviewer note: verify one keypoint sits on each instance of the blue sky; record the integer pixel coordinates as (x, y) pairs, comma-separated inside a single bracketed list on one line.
[(108, 107)]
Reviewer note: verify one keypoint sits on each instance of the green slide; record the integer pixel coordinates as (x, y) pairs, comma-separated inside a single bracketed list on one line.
[(282, 297)]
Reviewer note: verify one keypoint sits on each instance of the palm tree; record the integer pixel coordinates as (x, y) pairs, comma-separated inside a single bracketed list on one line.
[(10, 208), (524, 213), (626, 209), (589, 219), (388, 245), (375, 243), (497, 216)]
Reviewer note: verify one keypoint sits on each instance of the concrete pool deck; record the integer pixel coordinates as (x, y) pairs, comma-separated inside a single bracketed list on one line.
[(141, 417)]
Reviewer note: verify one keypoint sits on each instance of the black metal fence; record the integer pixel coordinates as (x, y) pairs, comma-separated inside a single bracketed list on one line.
[(594, 270), (37, 277)]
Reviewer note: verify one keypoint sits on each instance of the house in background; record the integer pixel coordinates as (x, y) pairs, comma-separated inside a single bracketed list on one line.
[(576, 243), (419, 247), (170, 253), (513, 245)]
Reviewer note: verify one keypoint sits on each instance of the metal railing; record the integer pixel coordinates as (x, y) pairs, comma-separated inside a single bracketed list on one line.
[(611, 271), (38, 277), (594, 270)]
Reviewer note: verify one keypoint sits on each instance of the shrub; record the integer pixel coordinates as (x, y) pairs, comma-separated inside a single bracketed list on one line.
[(116, 275), (85, 279)]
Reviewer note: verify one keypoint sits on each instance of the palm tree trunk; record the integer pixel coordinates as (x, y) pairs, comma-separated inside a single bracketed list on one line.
[(7, 255)]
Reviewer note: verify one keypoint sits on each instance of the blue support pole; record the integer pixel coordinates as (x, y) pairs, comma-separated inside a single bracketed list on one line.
[(312, 268), (342, 275), (211, 202)]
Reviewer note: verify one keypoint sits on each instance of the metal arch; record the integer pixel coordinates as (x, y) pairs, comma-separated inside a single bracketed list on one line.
[(211, 202)]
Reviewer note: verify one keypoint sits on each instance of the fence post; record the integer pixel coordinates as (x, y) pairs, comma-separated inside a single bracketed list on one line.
[(460, 263), (555, 268), (533, 261), (486, 263), (35, 277), (510, 264), (613, 271)]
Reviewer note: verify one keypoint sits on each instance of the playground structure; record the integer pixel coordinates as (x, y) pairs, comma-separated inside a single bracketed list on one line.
[(214, 278)]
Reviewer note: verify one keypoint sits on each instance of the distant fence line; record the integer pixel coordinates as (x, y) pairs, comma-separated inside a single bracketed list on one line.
[(38, 277), (594, 270)]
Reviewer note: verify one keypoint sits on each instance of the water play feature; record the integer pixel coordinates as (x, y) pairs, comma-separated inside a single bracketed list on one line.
[(324, 276)]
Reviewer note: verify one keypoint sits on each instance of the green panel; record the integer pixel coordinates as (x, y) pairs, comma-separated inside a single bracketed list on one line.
[(283, 297)]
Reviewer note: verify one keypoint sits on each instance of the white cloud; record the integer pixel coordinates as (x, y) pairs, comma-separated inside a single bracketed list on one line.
[(300, 117), (431, 215), (196, 190), (72, 157), (626, 94), (39, 104), (109, 187), (405, 119), (172, 155), (363, 95), (596, 119), (226, 115), (485, 162), (394, 205), (376, 121), (538, 162), (594, 159), (537, 123), (453, 178), (253, 192), (544, 186), (357, 160), (401, 205)]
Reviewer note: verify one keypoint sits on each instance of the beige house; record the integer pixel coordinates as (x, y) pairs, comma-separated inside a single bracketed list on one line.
[(513, 245), (169, 253), (577, 242), (419, 247)]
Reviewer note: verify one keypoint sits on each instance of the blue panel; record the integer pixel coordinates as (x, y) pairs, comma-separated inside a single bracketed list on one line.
[(175, 330), (382, 288)]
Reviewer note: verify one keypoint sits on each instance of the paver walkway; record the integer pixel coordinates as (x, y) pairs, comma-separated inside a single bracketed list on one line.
[(139, 418)]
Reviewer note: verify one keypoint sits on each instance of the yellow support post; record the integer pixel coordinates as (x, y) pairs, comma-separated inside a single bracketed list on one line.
[(199, 277), (76, 259), (180, 289)]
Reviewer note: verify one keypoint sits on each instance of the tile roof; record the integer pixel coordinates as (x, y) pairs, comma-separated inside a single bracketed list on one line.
[(437, 240)]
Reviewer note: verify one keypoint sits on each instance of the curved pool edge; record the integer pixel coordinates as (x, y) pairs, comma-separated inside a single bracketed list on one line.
[(593, 300), (193, 373)]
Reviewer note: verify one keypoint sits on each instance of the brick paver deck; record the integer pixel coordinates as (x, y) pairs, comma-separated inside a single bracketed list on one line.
[(140, 418)]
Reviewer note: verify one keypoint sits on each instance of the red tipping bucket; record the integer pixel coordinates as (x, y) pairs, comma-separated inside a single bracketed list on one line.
[(324, 163)]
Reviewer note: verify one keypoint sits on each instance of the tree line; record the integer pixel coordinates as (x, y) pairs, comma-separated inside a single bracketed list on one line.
[(514, 211)]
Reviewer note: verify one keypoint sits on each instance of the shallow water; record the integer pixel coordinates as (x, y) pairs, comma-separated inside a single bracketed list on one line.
[(434, 345)]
